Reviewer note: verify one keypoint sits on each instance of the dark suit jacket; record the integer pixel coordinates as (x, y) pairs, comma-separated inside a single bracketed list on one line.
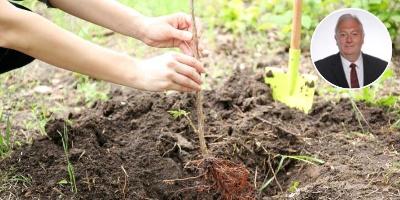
[(332, 70)]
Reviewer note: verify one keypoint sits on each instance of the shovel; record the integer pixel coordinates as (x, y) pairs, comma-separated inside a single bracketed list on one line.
[(291, 88)]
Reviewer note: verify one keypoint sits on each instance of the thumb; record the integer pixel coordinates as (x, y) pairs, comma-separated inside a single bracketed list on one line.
[(182, 35)]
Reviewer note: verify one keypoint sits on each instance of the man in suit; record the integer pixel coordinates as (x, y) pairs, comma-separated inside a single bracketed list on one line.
[(350, 68)]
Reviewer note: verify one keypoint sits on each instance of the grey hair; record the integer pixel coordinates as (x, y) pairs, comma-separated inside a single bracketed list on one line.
[(345, 17)]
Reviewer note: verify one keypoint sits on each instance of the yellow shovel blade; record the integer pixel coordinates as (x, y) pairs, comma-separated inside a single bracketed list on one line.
[(303, 91)]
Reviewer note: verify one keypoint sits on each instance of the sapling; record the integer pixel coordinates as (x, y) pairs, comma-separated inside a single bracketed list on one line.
[(229, 178), (199, 95)]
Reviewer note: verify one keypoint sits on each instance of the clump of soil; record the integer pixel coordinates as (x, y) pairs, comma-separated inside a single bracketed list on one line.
[(127, 147)]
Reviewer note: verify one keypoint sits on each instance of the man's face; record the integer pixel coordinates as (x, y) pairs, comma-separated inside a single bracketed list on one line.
[(350, 38)]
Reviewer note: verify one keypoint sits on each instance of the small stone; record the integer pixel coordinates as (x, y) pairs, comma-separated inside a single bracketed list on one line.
[(183, 142), (42, 89)]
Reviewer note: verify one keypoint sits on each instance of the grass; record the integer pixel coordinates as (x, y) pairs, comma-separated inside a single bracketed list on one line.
[(5, 138), (9, 181), (41, 116), (302, 158), (359, 116), (70, 167), (91, 90)]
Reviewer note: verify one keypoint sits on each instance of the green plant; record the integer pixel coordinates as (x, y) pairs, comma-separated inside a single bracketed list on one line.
[(41, 117), (182, 113), (239, 16), (1, 114), (91, 90), (371, 96), (293, 186), (396, 124), (25, 180), (5, 139), (63, 182), (359, 116), (178, 113), (70, 167), (8, 180), (306, 159)]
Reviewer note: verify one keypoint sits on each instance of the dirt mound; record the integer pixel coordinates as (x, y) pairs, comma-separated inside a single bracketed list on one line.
[(127, 147)]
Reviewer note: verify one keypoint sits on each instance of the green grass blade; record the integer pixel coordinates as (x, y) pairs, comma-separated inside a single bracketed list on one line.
[(265, 184), (308, 159)]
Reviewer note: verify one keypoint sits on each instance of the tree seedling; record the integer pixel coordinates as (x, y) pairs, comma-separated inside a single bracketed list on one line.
[(228, 178)]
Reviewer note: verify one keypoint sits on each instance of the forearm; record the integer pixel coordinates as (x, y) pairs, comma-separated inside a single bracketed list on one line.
[(32, 34), (106, 13)]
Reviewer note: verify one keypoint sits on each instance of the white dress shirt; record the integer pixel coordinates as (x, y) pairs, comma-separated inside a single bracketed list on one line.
[(359, 69)]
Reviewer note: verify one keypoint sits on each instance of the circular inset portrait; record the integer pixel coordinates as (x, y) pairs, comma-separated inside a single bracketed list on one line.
[(351, 48)]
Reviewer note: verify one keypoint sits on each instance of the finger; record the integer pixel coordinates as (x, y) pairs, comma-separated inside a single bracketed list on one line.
[(190, 61), (185, 48), (188, 72), (184, 81), (181, 35), (180, 88)]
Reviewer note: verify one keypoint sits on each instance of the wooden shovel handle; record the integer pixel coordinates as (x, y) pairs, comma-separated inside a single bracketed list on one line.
[(296, 25)]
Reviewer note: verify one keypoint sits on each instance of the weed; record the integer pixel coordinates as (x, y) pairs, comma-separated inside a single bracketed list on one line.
[(8, 181), (178, 113), (5, 139), (1, 115), (182, 113), (293, 186), (91, 91), (396, 125), (70, 167), (391, 173), (62, 182), (370, 94), (306, 159), (359, 116), (25, 180), (41, 116)]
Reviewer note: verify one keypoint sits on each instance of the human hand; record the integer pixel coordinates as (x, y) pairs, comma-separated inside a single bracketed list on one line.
[(170, 31), (170, 71)]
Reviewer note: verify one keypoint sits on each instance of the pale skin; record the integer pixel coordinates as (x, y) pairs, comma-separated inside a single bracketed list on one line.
[(350, 39), (34, 35)]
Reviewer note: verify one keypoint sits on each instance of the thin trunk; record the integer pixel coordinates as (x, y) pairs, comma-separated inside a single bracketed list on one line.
[(199, 95)]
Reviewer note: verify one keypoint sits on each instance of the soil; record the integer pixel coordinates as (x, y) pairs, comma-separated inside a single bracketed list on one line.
[(130, 146)]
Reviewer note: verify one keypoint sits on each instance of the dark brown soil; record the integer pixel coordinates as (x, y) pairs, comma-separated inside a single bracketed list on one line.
[(137, 135)]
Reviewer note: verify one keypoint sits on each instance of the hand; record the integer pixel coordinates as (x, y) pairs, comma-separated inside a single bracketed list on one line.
[(170, 31), (171, 71)]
